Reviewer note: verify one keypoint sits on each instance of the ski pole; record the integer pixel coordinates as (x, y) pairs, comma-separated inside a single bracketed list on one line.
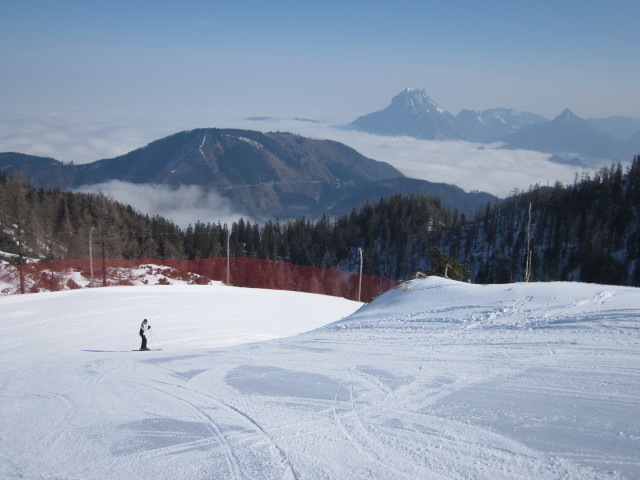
[(156, 338)]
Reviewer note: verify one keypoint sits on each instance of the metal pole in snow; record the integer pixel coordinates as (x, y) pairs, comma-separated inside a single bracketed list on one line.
[(527, 272), (21, 256), (91, 253), (104, 266), (228, 268), (360, 280)]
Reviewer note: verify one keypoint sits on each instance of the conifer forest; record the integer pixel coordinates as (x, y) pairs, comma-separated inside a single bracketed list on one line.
[(588, 231)]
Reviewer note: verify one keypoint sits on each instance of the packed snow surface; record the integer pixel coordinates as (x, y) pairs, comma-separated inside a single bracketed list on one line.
[(433, 380)]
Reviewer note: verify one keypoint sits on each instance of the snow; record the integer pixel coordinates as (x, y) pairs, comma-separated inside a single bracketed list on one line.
[(433, 380), (253, 143), (5, 255), (204, 139), (68, 278)]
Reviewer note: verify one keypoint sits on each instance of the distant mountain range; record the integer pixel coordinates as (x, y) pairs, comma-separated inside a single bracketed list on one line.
[(265, 175), (413, 113), (568, 138)]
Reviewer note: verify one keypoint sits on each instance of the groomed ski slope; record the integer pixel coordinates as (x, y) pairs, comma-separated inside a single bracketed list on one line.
[(433, 380)]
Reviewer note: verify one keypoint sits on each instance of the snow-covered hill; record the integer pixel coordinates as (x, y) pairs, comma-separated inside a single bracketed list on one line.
[(434, 379)]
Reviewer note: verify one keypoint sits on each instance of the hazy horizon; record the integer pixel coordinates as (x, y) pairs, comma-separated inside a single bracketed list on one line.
[(91, 80)]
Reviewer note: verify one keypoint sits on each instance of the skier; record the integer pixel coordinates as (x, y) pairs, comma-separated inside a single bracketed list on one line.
[(143, 328)]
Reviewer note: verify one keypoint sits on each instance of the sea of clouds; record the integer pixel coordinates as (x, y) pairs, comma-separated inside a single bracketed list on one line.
[(184, 205), (83, 137)]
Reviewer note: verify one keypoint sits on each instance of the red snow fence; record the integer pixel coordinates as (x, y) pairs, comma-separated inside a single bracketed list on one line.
[(237, 271)]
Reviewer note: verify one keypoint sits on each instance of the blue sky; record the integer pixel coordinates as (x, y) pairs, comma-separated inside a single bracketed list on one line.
[(330, 60), (84, 80)]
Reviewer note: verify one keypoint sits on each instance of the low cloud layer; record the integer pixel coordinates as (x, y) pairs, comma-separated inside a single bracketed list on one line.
[(471, 166), (81, 139), (70, 136), (184, 205)]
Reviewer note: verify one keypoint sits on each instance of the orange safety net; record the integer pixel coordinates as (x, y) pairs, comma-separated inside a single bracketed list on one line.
[(241, 272)]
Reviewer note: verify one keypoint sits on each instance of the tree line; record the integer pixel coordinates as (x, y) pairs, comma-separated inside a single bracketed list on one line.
[(588, 231)]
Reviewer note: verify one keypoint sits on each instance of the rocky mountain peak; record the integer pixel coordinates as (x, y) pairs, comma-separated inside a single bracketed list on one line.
[(417, 101), (567, 116)]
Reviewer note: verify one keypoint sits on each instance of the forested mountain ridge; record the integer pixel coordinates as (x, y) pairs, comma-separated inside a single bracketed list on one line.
[(588, 231), (264, 175)]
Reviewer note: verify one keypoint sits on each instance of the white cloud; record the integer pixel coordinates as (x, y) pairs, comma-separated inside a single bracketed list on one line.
[(470, 166), (183, 205), (82, 137)]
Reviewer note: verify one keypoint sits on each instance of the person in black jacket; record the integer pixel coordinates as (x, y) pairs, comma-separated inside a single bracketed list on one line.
[(143, 328)]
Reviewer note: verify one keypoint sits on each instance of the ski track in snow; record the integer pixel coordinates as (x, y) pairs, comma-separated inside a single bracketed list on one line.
[(433, 380)]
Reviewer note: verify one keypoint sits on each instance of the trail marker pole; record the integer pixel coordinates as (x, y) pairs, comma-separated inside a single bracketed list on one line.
[(360, 279), (91, 253), (228, 267), (527, 272)]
